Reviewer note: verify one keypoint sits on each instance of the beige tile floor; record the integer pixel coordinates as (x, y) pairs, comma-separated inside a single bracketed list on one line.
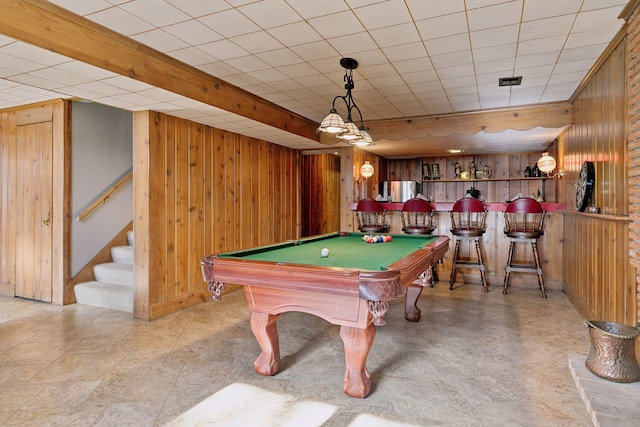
[(474, 359)]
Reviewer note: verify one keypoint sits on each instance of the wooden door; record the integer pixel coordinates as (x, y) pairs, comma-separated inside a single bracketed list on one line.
[(320, 194), (33, 211)]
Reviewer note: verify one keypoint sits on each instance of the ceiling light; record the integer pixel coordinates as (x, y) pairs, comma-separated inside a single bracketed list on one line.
[(454, 151), (346, 130)]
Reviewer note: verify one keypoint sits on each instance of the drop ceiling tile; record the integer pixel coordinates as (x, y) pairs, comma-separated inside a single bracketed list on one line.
[(247, 64), (593, 20), (457, 82), (257, 42), (452, 59), (385, 81), (425, 88), (384, 14), (223, 50), (267, 75), (587, 38), (158, 94), (420, 77), (463, 91), (557, 25), (571, 77), (442, 45), (120, 21), (395, 35), (413, 65), (315, 81), (157, 13), (404, 52), (535, 71), (599, 4), (536, 60), (495, 36), (584, 52), (101, 88), (270, 13), (197, 8), (282, 58), (37, 81), (499, 65), (193, 32), (353, 44), (540, 9), (160, 40), (60, 76), (421, 9), (568, 67), (35, 54), (295, 34), (495, 16), (316, 50), (547, 44), (312, 9), (507, 51), (126, 83), (338, 24), (229, 23), (464, 70), (368, 58), (466, 105), (391, 92), (443, 26)]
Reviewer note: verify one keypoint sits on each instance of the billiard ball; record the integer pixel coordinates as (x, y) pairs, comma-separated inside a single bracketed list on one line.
[(324, 252)]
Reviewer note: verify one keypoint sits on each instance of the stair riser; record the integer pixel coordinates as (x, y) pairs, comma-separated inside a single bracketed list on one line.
[(113, 273)]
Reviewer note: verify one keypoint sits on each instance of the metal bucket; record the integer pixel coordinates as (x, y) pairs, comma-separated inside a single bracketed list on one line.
[(613, 351)]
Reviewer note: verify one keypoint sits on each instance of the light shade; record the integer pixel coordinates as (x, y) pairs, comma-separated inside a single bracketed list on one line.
[(352, 133), (366, 170), (333, 123), (546, 163)]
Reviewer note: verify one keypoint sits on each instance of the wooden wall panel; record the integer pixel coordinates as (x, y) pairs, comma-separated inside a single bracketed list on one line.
[(320, 194), (599, 278), (199, 191)]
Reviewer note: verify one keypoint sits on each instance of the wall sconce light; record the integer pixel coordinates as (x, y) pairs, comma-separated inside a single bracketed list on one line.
[(346, 130), (547, 164), (366, 170)]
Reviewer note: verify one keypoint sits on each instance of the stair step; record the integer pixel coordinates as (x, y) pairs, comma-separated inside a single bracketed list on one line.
[(122, 254), (130, 237), (114, 296), (113, 272)]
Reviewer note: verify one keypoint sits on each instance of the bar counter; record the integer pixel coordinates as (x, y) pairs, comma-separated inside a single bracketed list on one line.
[(495, 245)]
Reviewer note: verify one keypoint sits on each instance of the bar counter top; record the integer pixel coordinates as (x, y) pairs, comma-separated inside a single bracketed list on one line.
[(447, 206)]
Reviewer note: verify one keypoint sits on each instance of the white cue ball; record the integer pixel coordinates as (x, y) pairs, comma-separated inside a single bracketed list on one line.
[(324, 252)]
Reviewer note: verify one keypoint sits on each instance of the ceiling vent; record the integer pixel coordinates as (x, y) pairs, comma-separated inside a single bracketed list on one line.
[(510, 81)]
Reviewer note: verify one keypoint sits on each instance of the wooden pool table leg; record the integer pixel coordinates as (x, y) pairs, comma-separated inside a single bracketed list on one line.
[(264, 328), (357, 344), (411, 310)]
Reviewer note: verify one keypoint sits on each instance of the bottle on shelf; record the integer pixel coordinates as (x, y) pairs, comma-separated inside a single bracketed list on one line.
[(527, 171)]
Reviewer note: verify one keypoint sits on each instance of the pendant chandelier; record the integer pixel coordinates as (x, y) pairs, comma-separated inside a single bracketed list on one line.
[(346, 130)]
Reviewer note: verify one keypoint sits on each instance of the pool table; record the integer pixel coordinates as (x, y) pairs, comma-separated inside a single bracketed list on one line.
[(351, 287)]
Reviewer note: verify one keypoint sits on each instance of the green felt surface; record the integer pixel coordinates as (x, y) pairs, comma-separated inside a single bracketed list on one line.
[(348, 251)]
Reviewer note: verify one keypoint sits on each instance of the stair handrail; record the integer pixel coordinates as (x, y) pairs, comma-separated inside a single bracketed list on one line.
[(101, 198)]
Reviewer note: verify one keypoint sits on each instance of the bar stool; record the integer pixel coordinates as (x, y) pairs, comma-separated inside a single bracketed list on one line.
[(370, 216), (468, 222), (417, 217), (524, 223)]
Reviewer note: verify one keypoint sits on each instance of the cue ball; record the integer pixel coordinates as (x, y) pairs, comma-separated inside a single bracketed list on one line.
[(324, 252)]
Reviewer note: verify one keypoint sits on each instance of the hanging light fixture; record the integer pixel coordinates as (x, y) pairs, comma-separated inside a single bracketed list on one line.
[(346, 130)]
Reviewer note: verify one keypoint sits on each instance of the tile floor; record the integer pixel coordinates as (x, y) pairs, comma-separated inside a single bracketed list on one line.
[(474, 359)]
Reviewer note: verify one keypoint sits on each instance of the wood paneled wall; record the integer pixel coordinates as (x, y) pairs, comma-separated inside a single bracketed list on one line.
[(200, 190), (597, 273), (320, 194)]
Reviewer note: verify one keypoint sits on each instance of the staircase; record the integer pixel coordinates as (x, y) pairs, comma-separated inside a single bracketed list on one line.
[(113, 287)]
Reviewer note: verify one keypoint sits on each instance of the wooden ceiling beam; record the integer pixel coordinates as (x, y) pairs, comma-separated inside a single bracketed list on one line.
[(53, 28)]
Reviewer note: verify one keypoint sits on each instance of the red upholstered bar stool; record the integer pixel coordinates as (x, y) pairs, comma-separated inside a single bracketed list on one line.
[(370, 216), (417, 217), (524, 223), (468, 223)]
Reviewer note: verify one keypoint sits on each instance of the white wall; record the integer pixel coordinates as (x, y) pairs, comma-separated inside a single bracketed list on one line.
[(102, 150)]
